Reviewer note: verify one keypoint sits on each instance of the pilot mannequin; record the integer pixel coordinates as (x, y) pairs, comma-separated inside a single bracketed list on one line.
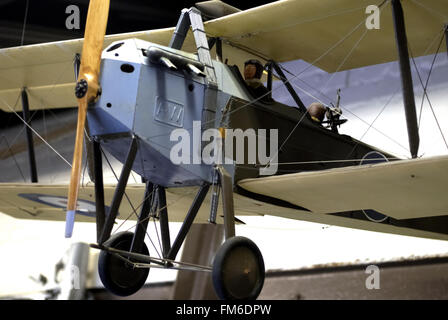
[(253, 70)]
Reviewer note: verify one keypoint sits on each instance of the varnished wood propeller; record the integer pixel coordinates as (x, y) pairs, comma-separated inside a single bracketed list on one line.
[(87, 89)]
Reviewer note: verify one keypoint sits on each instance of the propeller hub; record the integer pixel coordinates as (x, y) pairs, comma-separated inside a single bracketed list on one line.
[(81, 88)]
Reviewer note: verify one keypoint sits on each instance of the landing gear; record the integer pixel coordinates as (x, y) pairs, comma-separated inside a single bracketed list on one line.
[(238, 267), (238, 270), (117, 275)]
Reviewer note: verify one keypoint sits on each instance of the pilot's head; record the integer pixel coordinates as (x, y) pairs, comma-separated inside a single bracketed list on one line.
[(317, 111), (253, 69)]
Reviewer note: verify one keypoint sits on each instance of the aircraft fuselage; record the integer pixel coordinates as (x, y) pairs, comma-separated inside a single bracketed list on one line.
[(161, 104)]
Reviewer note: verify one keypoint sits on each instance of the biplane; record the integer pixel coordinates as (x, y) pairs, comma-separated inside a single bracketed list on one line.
[(134, 90)]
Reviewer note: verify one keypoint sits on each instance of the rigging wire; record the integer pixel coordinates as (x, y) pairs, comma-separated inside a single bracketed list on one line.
[(35, 132), (34, 113), (13, 157), (425, 92), (130, 203), (10, 114), (371, 124), (346, 57), (23, 128), (24, 23), (182, 265), (427, 80), (431, 10), (157, 233), (340, 65), (374, 120)]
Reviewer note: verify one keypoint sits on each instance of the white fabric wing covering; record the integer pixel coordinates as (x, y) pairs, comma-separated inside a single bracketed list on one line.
[(402, 189)]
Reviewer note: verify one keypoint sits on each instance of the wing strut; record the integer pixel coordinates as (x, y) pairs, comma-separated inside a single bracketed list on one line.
[(446, 37), (406, 77), (99, 189), (29, 136), (192, 17), (288, 86), (119, 191)]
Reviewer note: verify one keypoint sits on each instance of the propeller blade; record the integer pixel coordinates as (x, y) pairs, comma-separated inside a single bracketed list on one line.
[(87, 89)]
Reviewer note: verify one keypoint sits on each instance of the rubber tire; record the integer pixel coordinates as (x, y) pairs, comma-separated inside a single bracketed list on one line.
[(224, 253), (116, 276)]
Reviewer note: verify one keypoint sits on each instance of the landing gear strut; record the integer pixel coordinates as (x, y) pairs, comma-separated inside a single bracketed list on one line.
[(238, 269)]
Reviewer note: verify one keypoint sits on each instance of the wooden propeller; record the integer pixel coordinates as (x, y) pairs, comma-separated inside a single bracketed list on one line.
[(87, 89)]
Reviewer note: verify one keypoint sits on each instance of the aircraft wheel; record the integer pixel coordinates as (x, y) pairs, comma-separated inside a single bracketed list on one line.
[(238, 270), (119, 277)]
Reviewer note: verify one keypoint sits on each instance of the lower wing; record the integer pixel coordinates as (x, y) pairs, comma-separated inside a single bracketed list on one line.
[(49, 202), (411, 193)]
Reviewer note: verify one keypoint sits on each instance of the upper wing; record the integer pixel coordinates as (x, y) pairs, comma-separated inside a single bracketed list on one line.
[(329, 34), (47, 71), (402, 189), (332, 34)]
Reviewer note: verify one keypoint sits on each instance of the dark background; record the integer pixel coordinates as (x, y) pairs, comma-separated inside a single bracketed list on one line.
[(46, 18)]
